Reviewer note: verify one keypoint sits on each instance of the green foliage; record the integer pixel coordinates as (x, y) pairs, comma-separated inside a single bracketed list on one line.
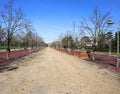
[(68, 42), (2, 47), (11, 47)]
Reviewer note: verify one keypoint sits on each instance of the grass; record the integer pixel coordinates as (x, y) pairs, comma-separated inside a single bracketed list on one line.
[(105, 51), (2, 47), (11, 47), (82, 50)]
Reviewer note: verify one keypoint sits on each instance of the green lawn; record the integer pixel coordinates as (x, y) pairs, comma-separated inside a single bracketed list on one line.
[(2, 47), (105, 52), (11, 47)]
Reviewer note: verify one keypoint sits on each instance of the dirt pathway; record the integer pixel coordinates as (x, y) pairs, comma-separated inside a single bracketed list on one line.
[(53, 72)]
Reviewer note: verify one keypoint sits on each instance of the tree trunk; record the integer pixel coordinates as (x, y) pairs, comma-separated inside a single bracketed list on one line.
[(8, 45)]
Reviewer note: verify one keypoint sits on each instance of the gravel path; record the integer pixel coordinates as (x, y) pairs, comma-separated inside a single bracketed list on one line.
[(52, 72)]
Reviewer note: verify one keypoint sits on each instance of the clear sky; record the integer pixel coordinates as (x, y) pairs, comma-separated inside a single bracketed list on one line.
[(53, 17)]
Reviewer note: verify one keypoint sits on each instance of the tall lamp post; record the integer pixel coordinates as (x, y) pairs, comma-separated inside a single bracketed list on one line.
[(69, 46), (118, 57), (110, 22)]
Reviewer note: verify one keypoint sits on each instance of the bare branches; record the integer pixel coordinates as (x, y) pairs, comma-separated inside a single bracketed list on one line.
[(12, 21), (97, 24), (12, 18)]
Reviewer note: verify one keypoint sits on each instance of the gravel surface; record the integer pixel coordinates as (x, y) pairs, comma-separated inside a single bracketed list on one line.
[(52, 72)]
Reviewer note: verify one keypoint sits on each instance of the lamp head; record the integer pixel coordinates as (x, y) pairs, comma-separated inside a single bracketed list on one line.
[(110, 22)]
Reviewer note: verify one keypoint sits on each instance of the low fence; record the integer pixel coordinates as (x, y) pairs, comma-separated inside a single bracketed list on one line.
[(104, 60), (13, 55)]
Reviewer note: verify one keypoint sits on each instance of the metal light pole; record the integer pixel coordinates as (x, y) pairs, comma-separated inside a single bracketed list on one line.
[(110, 22), (69, 45), (61, 44), (109, 43), (118, 58)]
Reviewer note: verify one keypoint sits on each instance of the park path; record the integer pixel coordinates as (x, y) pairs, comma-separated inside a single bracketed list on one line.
[(52, 72)]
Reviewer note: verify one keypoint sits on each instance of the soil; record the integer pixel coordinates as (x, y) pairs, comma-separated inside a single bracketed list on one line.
[(52, 72)]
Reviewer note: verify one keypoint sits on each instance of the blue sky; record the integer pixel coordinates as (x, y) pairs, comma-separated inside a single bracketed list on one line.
[(53, 17)]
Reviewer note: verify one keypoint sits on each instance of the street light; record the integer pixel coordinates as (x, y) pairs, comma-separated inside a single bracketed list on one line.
[(118, 58), (61, 44), (69, 46), (110, 22)]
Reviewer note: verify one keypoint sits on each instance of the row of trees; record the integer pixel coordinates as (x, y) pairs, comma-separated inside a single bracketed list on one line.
[(16, 29), (94, 32)]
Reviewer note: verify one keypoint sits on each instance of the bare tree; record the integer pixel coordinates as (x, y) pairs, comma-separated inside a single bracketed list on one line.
[(12, 21), (28, 32), (96, 26)]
